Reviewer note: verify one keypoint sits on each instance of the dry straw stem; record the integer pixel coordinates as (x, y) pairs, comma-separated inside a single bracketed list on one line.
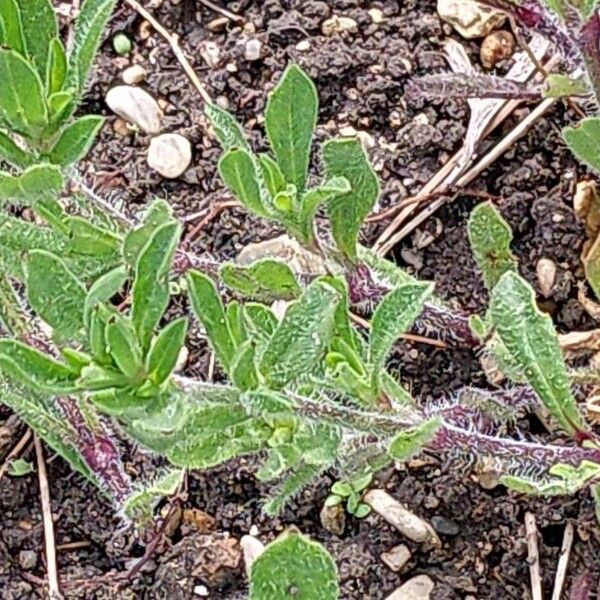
[(223, 11), (563, 561), (173, 42), (486, 116), (533, 556), (53, 587)]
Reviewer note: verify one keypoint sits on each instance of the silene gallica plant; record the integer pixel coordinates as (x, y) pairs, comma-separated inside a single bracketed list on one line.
[(87, 350)]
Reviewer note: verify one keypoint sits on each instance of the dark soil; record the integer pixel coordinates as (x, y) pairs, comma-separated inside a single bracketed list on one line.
[(360, 77)]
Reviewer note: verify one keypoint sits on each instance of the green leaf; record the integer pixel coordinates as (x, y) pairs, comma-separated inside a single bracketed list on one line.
[(584, 141), (95, 377), (150, 291), (40, 27), (56, 71), (290, 119), (140, 505), (13, 154), (90, 240), (227, 129), (103, 289), (560, 86), (98, 319), (20, 467), (265, 280), (209, 309), (243, 367), (346, 158), (165, 350), (123, 347), (293, 562), (531, 341), (394, 315), (159, 213), (342, 489), (313, 198), (87, 34), (410, 442), (55, 293), (61, 105), (75, 140), (33, 184), (490, 237), (238, 171), (235, 320), (362, 511), (272, 174), (259, 322), (22, 102), (302, 337), (35, 369), (12, 26)]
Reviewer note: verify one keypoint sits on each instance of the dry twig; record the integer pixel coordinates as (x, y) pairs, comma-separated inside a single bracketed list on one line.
[(533, 556), (174, 43), (563, 562), (223, 11), (53, 587)]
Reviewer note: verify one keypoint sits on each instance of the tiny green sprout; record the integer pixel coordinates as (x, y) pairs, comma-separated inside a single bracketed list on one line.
[(352, 492), (20, 467), (122, 44)]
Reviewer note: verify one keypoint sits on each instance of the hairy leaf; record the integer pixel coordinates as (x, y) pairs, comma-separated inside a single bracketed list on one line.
[(227, 129), (150, 290), (584, 141), (490, 237), (529, 337), (243, 367), (290, 119), (346, 158), (140, 505), (394, 315), (315, 197), (272, 175), (265, 280), (87, 34), (89, 240), (123, 347), (293, 562), (209, 309), (301, 338), (22, 103), (55, 293), (35, 369), (410, 442), (14, 154), (35, 183), (103, 289), (75, 140), (12, 26), (40, 27), (159, 213), (164, 351), (56, 70), (238, 171)]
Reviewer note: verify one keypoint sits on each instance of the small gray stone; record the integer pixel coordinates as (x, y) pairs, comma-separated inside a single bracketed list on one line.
[(170, 154), (445, 526), (417, 588), (395, 558), (27, 559), (134, 74), (136, 106), (252, 50), (333, 518)]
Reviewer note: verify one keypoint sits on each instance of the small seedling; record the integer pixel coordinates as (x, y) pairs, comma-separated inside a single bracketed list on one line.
[(20, 467), (122, 44), (352, 493)]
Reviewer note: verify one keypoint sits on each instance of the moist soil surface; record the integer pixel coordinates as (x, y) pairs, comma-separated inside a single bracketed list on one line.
[(360, 76)]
